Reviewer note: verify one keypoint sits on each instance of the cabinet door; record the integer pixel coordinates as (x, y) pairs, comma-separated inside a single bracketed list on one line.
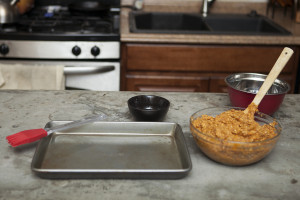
[(166, 82), (148, 67), (217, 83)]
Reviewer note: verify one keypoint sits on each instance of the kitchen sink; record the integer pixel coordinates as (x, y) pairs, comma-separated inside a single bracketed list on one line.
[(244, 24), (167, 23), (193, 23)]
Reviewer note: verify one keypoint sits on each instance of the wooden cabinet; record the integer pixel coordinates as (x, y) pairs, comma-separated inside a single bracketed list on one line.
[(217, 83), (165, 81), (195, 68)]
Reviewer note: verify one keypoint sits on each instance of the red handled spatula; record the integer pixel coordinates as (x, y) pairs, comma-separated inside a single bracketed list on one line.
[(28, 136)]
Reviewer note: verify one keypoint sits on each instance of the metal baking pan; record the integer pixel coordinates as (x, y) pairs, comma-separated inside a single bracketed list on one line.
[(133, 150)]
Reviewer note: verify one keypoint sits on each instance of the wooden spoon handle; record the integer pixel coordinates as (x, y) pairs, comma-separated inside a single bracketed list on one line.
[(275, 71)]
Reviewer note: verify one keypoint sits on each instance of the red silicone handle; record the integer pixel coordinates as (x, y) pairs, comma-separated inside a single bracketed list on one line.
[(26, 136)]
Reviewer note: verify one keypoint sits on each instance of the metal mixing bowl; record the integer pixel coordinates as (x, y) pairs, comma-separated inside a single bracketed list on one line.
[(242, 88), (231, 152)]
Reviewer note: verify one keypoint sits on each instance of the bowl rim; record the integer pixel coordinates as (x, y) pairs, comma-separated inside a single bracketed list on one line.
[(149, 110), (230, 141), (257, 74)]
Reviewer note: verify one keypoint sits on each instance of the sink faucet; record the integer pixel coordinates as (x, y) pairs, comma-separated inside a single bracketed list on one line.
[(138, 4), (205, 6)]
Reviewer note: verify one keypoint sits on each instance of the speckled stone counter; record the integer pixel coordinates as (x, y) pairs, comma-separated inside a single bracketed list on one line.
[(275, 177)]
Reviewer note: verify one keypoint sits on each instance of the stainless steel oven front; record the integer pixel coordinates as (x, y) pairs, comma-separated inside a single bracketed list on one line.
[(86, 71), (98, 76), (87, 44)]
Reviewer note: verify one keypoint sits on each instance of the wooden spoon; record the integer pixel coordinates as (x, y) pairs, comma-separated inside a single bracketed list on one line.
[(275, 71)]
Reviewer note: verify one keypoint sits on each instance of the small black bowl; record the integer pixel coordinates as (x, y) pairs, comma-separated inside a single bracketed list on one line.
[(148, 107)]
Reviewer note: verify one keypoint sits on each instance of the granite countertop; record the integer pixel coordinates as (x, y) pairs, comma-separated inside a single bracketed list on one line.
[(275, 177), (285, 21)]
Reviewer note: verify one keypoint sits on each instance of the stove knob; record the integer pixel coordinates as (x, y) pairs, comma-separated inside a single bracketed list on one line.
[(95, 51), (76, 50), (4, 49)]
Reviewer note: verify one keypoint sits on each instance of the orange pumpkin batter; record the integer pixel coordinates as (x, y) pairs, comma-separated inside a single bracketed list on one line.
[(235, 125)]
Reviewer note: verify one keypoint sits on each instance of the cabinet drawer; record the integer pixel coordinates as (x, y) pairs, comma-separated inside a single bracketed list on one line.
[(153, 57), (166, 82)]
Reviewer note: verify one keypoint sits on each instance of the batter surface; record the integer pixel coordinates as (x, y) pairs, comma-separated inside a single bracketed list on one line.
[(235, 125)]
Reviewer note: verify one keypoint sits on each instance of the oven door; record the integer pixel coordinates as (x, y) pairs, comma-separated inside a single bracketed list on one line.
[(97, 76)]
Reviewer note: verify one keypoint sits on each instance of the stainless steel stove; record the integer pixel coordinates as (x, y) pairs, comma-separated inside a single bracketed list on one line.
[(55, 34)]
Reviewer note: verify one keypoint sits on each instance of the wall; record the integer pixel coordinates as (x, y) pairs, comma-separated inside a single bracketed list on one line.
[(184, 1), (219, 6)]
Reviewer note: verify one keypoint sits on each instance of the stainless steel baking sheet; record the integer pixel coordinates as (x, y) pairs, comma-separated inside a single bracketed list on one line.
[(135, 150)]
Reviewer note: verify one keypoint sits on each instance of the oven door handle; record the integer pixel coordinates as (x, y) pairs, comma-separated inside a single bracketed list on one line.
[(71, 70)]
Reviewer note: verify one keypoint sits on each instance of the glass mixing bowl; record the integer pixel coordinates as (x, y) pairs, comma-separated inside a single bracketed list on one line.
[(231, 152)]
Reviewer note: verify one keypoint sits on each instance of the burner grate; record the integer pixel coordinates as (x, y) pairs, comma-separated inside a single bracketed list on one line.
[(60, 20), (65, 26)]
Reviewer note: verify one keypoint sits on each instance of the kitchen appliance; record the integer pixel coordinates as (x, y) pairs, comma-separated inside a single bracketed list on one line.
[(86, 43)]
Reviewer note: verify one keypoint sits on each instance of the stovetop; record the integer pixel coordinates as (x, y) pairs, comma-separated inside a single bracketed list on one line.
[(60, 24)]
